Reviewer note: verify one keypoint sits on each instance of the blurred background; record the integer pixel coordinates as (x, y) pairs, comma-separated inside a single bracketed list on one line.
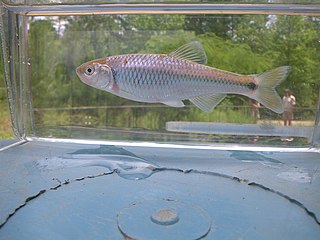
[(5, 126), (245, 44)]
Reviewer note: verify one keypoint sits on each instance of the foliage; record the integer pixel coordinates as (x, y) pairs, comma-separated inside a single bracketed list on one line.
[(298, 45), (5, 126)]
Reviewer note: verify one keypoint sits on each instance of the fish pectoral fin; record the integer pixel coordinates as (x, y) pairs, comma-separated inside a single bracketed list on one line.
[(207, 102), (192, 51), (175, 103)]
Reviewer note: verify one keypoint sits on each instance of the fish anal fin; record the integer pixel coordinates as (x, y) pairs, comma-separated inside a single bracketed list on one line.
[(207, 102), (174, 103), (192, 51)]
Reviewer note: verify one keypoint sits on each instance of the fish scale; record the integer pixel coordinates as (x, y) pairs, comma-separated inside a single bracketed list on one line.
[(149, 76), (146, 72)]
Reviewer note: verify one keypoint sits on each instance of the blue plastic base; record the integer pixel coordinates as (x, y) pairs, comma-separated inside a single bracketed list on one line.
[(79, 191)]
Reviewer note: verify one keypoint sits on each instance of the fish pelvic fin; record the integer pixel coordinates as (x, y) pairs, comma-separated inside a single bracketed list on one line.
[(266, 92), (207, 102), (174, 103), (192, 51)]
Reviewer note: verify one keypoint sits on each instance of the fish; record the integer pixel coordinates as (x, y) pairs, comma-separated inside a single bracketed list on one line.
[(178, 76)]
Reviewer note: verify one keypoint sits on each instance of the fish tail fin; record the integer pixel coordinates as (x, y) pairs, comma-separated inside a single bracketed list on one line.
[(267, 82)]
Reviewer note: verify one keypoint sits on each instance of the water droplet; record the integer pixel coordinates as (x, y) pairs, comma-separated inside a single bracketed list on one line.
[(128, 167)]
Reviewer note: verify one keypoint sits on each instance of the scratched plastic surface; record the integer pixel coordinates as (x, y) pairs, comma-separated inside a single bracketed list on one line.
[(64, 191)]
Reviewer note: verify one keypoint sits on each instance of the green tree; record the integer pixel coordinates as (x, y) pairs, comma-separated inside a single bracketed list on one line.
[(255, 32), (221, 25), (297, 42), (44, 52), (5, 127)]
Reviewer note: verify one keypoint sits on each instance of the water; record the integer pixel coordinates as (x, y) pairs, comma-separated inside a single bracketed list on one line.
[(47, 43)]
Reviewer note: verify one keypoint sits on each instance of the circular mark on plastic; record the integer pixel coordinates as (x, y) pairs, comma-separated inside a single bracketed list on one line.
[(164, 219)]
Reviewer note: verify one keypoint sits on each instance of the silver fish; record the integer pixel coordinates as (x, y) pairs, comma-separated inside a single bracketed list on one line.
[(180, 75)]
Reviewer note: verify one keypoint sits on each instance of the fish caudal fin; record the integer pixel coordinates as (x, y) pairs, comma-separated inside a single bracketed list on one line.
[(266, 92)]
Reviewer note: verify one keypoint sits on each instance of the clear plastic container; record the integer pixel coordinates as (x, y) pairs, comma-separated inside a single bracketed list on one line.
[(45, 41)]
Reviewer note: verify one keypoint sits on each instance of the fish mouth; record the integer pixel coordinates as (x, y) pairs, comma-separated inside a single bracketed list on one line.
[(79, 72)]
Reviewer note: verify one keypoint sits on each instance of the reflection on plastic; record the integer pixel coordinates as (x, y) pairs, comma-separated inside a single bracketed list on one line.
[(252, 156), (126, 166)]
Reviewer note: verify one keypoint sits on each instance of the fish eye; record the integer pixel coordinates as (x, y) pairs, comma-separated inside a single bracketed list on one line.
[(89, 71)]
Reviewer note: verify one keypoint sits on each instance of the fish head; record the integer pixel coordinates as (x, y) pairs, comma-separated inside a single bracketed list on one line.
[(96, 74)]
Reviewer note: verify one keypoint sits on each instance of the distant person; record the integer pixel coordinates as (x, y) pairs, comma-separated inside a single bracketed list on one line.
[(254, 109), (289, 101)]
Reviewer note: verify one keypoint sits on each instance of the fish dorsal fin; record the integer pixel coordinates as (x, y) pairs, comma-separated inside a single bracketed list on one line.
[(208, 102), (192, 51)]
